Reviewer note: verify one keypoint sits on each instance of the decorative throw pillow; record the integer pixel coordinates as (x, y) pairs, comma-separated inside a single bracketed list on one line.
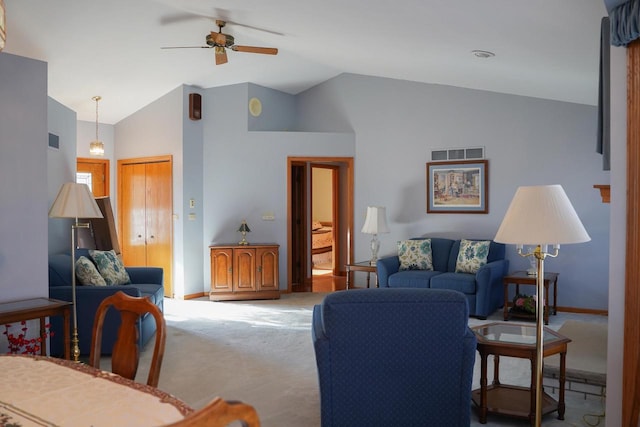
[(316, 225), (87, 274), (415, 254), (110, 267), (472, 255)]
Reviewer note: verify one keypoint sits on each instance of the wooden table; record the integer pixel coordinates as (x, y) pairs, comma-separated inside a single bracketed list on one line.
[(44, 391), (39, 308), (362, 266), (522, 278), (516, 340)]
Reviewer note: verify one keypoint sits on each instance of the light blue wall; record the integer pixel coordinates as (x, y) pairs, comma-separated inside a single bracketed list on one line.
[(23, 178), (527, 141), (245, 173), (278, 109)]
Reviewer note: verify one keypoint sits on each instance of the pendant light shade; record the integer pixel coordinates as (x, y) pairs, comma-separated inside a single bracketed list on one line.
[(96, 148)]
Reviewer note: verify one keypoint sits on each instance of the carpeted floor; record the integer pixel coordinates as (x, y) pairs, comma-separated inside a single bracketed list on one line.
[(260, 352)]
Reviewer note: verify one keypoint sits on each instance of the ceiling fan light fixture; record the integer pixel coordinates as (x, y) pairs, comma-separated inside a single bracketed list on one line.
[(484, 54), (96, 148)]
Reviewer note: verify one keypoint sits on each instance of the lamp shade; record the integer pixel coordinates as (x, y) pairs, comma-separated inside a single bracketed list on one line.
[(540, 215), (376, 220), (244, 227), (74, 201)]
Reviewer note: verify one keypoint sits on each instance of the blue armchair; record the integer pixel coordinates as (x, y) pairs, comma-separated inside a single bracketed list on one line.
[(145, 281), (394, 357)]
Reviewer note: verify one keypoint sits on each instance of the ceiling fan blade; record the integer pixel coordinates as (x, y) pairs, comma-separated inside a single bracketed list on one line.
[(255, 49), (176, 18), (223, 14), (186, 47), (221, 55)]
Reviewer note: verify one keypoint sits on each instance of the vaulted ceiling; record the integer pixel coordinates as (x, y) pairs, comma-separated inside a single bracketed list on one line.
[(546, 48)]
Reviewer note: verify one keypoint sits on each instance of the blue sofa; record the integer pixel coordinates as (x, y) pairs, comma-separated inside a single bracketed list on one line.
[(145, 281), (394, 357), (484, 290)]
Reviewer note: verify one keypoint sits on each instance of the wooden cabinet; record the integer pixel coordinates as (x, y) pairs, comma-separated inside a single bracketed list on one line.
[(244, 272)]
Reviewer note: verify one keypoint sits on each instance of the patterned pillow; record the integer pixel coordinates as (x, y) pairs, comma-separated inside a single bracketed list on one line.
[(415, 254), (472, 255), (110, 267), (87, 274)]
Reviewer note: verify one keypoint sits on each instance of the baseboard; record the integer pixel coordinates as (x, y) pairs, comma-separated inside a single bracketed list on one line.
[(583, 310), (194, 296)]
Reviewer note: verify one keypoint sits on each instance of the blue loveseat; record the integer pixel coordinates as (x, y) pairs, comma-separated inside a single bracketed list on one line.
[(145, 281), (484, 289)]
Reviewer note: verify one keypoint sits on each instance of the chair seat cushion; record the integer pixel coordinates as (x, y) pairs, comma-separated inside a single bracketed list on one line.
[(412, 278), (461, 282)]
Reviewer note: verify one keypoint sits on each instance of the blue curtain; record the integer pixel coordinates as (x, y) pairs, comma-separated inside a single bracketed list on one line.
[(603, 144), (625, 23)]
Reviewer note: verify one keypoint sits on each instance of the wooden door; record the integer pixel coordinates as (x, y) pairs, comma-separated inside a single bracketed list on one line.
[(244, 269), (99, 171), (145, 212), (297, 225), (221, 269), (267, 278)]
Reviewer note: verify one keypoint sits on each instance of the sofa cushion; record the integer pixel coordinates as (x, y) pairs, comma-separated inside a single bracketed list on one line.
[(461, 282), (472, 255), (87, 273), (110, 267), (154, 291), (412, 278), (415, 254)]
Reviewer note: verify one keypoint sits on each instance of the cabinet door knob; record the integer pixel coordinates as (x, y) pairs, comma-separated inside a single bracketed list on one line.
[(139, 236), (230, 269), (259, 269)]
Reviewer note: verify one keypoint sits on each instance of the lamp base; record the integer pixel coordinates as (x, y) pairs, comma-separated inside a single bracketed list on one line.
[(244, 240), (75, 345)]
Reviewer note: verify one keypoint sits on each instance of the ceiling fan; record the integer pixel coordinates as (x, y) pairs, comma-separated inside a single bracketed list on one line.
[(220, 41)]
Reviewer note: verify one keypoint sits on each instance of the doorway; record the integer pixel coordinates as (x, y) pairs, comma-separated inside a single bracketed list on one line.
[(94, 173), (336, 226)]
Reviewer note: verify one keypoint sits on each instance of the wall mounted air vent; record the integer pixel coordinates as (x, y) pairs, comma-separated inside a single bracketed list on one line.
[(54, 141), (470, 153)]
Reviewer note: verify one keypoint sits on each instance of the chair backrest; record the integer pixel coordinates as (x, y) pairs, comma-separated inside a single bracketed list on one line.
[(126, 354), (394, 357), (220, 413)]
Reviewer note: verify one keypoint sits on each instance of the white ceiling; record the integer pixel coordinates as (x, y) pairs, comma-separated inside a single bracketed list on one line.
[(544, 48)]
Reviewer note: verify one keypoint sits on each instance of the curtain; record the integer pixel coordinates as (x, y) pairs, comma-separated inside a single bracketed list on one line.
[(625, 23), (603, 144)]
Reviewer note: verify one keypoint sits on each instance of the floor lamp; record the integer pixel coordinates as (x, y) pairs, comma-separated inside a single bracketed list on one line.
[(75, 201), (539, 216)]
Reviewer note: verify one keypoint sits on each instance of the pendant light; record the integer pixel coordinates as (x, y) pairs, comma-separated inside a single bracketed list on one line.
[(96, 148)]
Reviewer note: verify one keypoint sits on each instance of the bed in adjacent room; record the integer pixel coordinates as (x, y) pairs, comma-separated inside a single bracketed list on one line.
[(322, 245)]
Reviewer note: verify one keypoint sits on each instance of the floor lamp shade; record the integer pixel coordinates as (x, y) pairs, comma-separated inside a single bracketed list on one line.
[(541, 215), (74, 201)]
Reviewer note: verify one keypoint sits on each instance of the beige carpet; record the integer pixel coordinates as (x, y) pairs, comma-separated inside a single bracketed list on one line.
[(261, 352)]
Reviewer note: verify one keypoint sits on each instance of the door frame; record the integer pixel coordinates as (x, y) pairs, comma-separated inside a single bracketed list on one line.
[(106, 167), (345, 217)]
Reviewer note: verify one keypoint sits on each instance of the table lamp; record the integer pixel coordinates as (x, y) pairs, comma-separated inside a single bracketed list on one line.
[(244, 229), (74, 201), (539, 216), (375, 223)]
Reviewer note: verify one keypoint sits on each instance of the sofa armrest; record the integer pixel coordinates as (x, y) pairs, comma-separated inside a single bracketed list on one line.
[(147, 275), (385, 268), (489, 291)]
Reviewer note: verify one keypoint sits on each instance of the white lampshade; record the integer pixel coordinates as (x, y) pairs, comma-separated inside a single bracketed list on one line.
[(74, 201), (376, 220), (540, 215)]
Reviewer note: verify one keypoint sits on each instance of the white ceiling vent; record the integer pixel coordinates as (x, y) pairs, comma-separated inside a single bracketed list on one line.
[(470, 153)]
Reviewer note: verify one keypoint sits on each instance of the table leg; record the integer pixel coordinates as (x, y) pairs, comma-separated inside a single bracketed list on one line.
[(368, 278), (505, 310), (66, 316), (483, 388), (561, 406), (43, 337), (348, 276), (546, 302), (555, 296), (496, 369)]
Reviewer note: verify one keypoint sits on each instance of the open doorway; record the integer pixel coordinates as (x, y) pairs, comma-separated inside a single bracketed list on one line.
[(332, 219)]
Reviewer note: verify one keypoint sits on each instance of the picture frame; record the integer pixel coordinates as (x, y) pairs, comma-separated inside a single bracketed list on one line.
[(3, 25), (460, 186)]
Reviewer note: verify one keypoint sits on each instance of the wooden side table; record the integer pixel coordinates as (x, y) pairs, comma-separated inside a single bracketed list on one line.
[(39, 308), (516, 340), (362, 266), (522, 278)]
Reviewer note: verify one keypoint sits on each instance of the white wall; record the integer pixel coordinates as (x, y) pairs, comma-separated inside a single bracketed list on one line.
[(527, 141), (23, 178)]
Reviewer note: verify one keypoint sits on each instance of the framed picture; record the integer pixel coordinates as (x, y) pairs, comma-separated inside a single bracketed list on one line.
[(458, 187), (3, 25)]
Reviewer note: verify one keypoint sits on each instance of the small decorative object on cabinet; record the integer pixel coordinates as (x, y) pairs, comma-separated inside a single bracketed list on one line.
[(240, 272), (244, 229)]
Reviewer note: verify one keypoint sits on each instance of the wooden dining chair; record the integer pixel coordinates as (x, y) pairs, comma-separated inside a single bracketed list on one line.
[(220, 413), (126, 354)]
